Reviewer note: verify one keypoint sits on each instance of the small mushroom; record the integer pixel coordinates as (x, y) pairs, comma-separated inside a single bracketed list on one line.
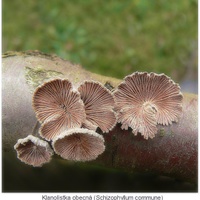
[(58, 107), (99, 105), (79, 144), (33, 151), (144, 100)]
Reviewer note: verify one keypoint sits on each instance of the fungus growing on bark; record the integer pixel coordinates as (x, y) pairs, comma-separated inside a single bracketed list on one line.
[(33, 151), (144, 100), (99, 105), (79, 144), (58, 107)]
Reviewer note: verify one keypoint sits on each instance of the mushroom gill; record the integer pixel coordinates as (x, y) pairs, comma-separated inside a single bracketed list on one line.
[(99, 105), (144, 100), (58, 107), (33, 151), (79, 144)]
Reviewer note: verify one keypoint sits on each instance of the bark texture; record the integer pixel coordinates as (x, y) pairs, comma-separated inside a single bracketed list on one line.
[(172, 152)]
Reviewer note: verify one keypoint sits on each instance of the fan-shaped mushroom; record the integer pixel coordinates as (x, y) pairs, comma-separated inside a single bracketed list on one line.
[(33, 151), (144, 100), (58, 107), (79, 144), (99, 105)]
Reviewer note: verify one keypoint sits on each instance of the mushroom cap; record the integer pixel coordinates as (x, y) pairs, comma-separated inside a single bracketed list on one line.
[(58, 107), (144, 100), (33, 151), (79, 144), (99, 105)]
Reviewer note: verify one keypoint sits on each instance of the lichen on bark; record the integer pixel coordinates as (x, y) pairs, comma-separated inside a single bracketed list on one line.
[(37, 75)]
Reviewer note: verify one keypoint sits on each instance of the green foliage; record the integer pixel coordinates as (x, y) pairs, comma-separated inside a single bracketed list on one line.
[(108, 37)]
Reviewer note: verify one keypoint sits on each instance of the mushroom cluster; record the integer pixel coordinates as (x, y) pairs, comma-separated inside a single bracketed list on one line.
[(70, 116)]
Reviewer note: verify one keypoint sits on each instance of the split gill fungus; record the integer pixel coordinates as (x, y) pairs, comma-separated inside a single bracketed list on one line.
[(144, 100), (99, 106), (33, 151), (58, 107), (79, 144)]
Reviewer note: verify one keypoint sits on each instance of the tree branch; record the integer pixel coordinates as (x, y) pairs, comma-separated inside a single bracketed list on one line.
[(173, 151)]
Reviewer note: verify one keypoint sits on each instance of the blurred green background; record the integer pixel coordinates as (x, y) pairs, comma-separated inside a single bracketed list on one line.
[(112, 38)]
